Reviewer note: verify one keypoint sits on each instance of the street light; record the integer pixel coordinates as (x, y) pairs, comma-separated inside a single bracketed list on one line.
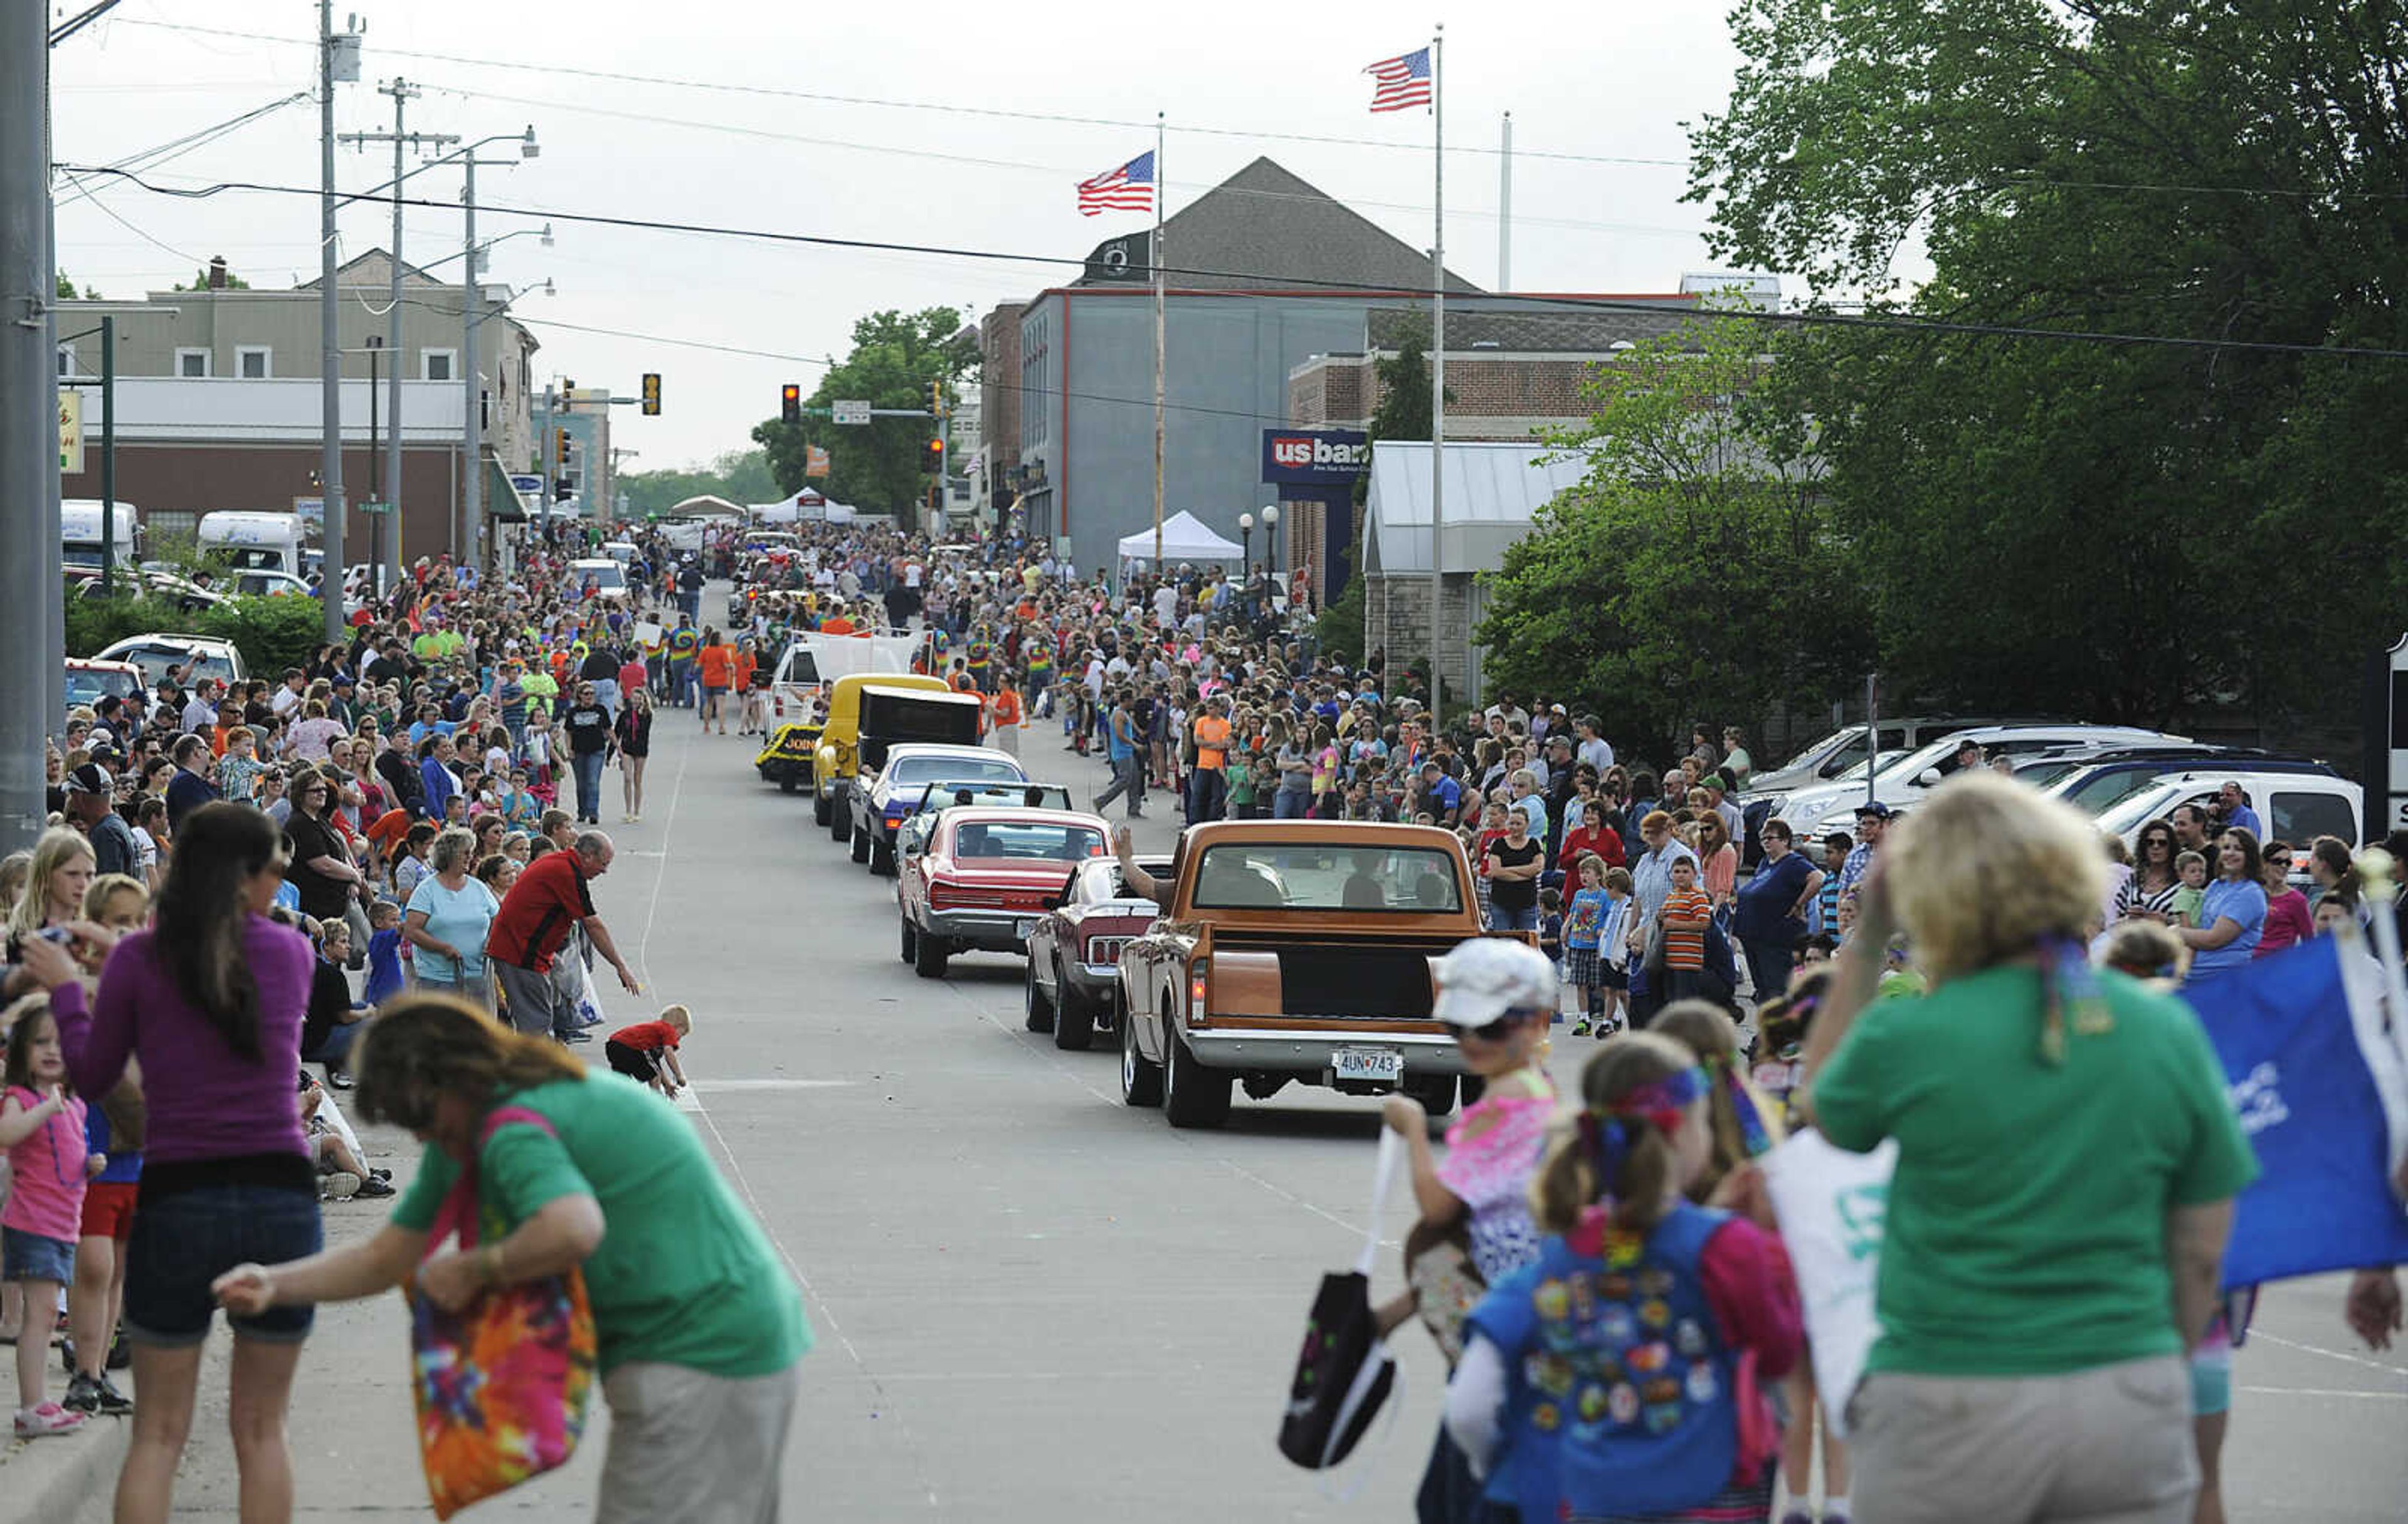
[(1246, 546), (1270, 540)]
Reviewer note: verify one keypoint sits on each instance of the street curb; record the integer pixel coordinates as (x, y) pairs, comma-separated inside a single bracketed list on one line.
[(57, 1479)]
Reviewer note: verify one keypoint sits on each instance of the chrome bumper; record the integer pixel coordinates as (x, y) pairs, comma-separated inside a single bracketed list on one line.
[(994, 931), (1308, 1052)]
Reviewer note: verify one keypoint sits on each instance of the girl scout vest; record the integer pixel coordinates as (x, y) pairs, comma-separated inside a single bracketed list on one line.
[(1624, 1403)]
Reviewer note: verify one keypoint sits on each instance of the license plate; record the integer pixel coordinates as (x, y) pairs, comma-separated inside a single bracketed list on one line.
[(1377, 1065), (1027, 925)]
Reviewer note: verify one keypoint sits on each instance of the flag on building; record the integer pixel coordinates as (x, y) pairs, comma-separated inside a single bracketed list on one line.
[(1400, 82), (815, 461), (2321, 1088), (1127, 189)]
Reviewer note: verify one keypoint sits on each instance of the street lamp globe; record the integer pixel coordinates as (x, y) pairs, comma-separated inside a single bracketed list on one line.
[(1270, 515), (1246, 524)]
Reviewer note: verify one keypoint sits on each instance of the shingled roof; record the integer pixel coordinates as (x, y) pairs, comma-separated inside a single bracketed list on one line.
[(1263, 228)]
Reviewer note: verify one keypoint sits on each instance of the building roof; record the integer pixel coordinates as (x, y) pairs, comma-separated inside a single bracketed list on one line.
[(374, 270), (1494, 491), (1267, 229), (1576, 325)]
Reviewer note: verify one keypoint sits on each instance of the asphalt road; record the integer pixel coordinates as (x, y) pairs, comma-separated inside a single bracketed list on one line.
[(1033, 1303)]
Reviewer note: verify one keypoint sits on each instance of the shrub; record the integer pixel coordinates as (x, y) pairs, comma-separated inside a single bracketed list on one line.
[(272, 634)]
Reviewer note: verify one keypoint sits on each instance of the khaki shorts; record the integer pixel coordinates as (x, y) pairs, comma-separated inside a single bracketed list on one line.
[(691, 1447), (2107, 1445)]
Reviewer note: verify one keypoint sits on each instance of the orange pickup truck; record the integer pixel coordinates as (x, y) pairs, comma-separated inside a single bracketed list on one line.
[(1295, 950)]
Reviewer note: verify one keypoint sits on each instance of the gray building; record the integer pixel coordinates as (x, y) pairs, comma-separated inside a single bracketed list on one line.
[(1265, 275)]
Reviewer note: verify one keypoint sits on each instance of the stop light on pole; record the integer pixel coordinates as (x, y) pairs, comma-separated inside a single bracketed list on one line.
[(561, 457), (933, 456), (790, 403), (937, 398), (652, 393)]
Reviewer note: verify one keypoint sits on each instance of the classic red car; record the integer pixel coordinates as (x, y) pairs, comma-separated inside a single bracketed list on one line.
[(985, 876), (1074, 954)]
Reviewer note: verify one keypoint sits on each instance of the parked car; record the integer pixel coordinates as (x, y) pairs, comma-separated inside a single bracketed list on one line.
[(986, 878), (839, 757), (880, 806), (1903, 782), (198, 655), (947, 793), (89, 682), (1074, 952), (2296, 805), (2098, 782), (262, 583), (187, 595), (1836, 753), (1295, 950)]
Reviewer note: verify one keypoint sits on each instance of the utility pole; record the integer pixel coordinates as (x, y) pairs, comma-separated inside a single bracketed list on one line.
[(388, 529), (338, 59), (472, 539), (29, 476)]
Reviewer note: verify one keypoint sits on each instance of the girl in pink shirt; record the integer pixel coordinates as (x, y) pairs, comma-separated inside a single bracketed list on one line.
[(42, 1128)]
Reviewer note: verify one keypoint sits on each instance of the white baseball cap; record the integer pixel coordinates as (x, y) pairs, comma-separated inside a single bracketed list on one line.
[(1491, 976)]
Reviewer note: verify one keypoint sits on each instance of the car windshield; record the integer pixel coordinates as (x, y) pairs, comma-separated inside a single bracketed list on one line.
[(2124, 815), (953, 769), (87, 685), (2106, 788), (1034, 841), (1308, 875)]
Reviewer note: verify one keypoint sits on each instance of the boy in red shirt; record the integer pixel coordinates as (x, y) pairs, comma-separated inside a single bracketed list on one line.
[(647, 1051)]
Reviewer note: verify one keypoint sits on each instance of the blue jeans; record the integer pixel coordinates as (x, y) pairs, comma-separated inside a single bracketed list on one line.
[(1208, 794), (1768, 967), (589, 784), (185, 1240), (1502, 920), (1291, 804)]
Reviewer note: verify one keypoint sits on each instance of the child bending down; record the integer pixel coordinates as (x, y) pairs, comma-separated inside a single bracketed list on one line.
[(1618, 1377), (646, 1052)]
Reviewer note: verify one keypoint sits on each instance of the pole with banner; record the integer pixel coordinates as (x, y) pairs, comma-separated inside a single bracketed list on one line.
[(1438, 364)]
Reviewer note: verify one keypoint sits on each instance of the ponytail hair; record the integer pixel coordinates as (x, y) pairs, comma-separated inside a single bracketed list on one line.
[(1611, 1159), (204, 912)]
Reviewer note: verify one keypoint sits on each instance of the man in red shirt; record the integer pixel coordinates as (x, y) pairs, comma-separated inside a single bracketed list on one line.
[(553, 896)]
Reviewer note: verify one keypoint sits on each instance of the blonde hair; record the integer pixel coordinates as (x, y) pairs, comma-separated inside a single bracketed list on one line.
[(679, 1017), (58, 847), (1988, 869), (1705, 1029), (1567, 1182), (109, 885)]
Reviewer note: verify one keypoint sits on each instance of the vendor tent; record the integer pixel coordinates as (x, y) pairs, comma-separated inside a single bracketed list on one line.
[(1184, 538), (705, 506)]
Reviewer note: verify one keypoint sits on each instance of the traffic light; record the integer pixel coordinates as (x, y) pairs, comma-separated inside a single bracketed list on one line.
[(936, 499), (652, 393), (932, 457), (560, 456), (790, 403), (937, 398)]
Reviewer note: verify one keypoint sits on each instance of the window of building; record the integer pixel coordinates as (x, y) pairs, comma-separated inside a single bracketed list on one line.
[(192, 363), (67, 360), (254, 362), (438, 365), (171, 525)]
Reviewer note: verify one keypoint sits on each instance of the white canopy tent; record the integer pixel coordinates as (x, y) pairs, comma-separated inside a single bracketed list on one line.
[(1185, 538), (808, 504)]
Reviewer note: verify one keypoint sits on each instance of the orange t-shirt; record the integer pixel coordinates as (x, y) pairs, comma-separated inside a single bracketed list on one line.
[(838, 625), (715, 661), (746, 665), (1211, 742), (1007, 706)]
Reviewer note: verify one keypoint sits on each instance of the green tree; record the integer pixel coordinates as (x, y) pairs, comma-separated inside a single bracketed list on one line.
[(68, 290), (2132, 528), (1692, 571), (876, 466), (740, 476), (201, 281)]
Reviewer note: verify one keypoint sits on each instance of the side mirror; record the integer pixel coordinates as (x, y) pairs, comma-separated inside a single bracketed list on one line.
[(1929, 777)]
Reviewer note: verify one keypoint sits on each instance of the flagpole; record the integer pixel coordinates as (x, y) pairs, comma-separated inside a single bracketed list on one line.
[(1437, 366), (1161, 192)]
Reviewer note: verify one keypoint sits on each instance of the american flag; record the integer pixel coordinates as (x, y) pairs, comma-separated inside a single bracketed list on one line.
[(1401, 82), (1127, 189)]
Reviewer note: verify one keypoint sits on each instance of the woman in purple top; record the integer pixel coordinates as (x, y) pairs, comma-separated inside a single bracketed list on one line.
[(214, 995)]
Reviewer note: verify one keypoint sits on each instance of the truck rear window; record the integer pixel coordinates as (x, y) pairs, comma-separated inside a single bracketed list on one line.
[(1301, 876)]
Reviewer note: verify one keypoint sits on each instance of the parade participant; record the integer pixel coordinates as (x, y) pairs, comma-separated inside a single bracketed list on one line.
[(2084, 1409)]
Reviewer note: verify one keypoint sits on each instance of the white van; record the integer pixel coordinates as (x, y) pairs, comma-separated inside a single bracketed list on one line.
[(79, 532), (254, 542)]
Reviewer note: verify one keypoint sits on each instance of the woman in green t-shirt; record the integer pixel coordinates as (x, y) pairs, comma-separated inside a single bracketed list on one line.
[(700, 1326), (2067, 1160)]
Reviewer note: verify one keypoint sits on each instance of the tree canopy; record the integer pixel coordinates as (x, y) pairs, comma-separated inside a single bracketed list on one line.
[(740, 476), (875, 467)]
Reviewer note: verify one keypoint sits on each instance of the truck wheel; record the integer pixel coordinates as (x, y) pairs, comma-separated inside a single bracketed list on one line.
[(1074, 1029), (839, 820), (929, 954), (1039, 1007), (882, 858), (1140, 1077), (910, 941), (1193, 1095), (860, 845), (1436, 1093), (820, 810), (785, 783)]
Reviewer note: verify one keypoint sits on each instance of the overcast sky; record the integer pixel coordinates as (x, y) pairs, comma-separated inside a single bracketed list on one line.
[(932, 168)]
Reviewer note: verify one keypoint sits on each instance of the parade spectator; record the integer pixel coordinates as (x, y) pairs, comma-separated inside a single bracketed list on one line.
[(2232, 916), (1512, 863), (447, 920), (215, 996), (633, 734), (588, 724), (2149, 894), (1769, 915), (701, 1328), (551, 899), (647, 1051), (2288, 922), (2085, 1412)]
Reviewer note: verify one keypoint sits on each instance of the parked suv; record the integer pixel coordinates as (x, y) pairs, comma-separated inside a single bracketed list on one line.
[(1903, 782), (2297, 804)]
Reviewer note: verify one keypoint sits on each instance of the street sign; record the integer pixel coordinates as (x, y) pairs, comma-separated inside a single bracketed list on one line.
[(849, 410), (71, 433), (376, 508)]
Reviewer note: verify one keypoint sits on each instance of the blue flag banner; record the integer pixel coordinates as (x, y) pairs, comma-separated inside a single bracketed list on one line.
[(2321, 1088)]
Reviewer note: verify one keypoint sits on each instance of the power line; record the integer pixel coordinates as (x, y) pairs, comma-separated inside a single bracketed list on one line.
[(947, 107), (1280, 282)]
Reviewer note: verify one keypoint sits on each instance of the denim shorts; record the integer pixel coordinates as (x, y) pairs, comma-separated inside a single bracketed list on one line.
[(183, 1242), (25, 1255)]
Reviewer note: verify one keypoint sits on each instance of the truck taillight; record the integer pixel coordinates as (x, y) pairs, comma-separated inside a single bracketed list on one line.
[(1196, 979)]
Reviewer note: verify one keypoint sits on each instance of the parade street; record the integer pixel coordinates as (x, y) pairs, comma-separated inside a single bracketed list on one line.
[(1033, 1303)]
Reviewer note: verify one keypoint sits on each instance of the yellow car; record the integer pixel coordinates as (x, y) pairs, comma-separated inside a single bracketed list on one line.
[(835, 760), (786, 759)]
